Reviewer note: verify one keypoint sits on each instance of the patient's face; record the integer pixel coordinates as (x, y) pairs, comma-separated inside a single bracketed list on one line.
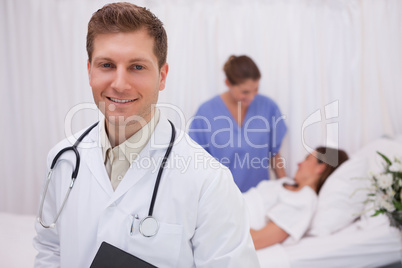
[(309, 170)]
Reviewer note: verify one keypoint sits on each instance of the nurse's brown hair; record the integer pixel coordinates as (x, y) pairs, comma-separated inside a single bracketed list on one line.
[(241, 68)]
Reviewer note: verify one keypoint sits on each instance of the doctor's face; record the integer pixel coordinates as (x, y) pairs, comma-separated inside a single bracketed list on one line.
[(125, 77)]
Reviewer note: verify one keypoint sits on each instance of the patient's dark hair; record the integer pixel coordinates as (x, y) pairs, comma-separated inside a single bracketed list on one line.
[(332, 158), (241, 68)]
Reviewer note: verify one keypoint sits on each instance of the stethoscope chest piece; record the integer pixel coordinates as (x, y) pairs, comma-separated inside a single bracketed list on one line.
[(149, 226)]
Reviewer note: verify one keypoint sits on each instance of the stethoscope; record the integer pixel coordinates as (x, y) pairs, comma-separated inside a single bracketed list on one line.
[(149, 226)]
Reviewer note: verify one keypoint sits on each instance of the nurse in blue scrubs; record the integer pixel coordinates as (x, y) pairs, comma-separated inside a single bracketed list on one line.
[(241, 128)]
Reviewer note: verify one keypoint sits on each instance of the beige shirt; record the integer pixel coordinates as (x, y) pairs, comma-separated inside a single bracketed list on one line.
[(118, 160)]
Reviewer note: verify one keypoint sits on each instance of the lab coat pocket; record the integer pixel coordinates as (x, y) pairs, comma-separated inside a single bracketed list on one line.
[(162, 249)]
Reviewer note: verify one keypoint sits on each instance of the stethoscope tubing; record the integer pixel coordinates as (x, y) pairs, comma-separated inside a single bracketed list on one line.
[(73, 177), (76, 170), (161, 168), (74, 149)]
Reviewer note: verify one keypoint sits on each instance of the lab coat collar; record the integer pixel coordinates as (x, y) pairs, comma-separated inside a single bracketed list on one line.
[(157, 144), (95, 135), (92, 157), (155, 148), (160, 139)]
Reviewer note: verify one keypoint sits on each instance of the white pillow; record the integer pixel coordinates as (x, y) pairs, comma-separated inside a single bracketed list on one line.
[(388, 147), (337, 205), (339, 202)]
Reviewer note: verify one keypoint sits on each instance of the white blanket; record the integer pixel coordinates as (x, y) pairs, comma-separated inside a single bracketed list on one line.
[(366, 243), (292, 211)]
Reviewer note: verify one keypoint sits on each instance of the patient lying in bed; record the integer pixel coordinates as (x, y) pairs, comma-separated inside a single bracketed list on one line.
[(289, 204)]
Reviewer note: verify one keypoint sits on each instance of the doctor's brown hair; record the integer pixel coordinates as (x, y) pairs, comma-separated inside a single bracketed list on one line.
[(124, 18), (332, 158), (239, 69)]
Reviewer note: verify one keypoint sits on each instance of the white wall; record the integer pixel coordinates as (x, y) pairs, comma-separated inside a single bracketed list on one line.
[(346, 55)]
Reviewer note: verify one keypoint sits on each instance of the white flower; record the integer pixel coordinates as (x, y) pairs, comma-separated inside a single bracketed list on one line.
[(396, 167), (390, 192), (372, 189), (384, 180), (388, 206), (383, 197), (384, 201)]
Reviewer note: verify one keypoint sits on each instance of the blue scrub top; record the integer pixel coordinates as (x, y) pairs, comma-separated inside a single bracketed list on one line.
[(245, 150)]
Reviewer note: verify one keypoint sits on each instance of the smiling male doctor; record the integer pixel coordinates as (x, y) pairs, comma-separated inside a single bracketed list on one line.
[(200, 213)]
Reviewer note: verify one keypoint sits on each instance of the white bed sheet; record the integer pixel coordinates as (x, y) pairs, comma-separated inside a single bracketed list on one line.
[(369, 242), (16, 234)]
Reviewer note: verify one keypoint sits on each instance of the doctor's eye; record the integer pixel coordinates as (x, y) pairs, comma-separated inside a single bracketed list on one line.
[(137, 67), (106, 65)]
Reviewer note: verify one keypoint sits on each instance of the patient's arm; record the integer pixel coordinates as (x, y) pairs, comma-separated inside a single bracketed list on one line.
[(269, 235)]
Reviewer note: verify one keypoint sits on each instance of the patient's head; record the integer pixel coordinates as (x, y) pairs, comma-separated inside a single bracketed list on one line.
[(318, 165)]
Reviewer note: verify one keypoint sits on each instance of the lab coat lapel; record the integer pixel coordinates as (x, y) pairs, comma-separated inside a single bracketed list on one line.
[(92, 157), (154, 150), (132, 176)]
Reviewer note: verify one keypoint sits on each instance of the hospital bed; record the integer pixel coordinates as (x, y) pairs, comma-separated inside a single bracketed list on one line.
[(342, 233), (338, 236)]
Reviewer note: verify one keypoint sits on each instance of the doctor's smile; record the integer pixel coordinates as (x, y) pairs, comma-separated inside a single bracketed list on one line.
[(120, 101)]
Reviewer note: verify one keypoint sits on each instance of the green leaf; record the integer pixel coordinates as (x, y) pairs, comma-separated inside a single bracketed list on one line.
[(385, 158), (398, 205), (378, 212)]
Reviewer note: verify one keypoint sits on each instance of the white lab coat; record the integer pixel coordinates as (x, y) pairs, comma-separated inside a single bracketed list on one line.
[(201, 213)]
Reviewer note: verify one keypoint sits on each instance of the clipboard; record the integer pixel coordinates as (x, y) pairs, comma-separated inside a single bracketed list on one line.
[(109, 256)]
